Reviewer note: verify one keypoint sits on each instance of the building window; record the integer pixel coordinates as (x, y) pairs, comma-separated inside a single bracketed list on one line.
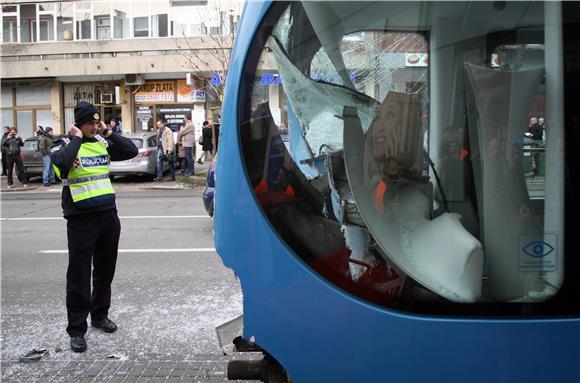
[(46, 28), (27, 31), (6, 117), (83, 29), (141, 26), (65, 28), (28, 96), (121, 21), (103, 27), (46, 20), (83, 15), (27, 23), (159, 26), (64, 21), (9, 29)]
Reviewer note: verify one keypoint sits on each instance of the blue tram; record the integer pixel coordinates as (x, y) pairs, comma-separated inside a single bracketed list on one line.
[(396, 189)]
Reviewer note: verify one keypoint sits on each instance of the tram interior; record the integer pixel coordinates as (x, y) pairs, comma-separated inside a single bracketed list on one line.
[(431, 193)]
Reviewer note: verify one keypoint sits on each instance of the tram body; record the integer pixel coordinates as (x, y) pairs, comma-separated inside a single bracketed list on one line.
[(501, 301)]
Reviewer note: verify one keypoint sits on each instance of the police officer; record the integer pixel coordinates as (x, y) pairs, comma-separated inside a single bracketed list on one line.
[(93, 227)]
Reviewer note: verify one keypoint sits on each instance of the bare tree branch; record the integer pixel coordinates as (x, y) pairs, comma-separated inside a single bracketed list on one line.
[(214, 47)]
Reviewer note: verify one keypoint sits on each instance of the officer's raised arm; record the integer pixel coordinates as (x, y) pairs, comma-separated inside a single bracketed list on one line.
[(64, 154), (122, 148)]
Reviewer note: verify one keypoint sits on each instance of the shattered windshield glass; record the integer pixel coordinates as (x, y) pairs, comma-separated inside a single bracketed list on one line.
[(400, 132)]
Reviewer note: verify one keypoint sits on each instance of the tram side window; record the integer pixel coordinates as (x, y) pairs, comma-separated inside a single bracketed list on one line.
[(407, 156)]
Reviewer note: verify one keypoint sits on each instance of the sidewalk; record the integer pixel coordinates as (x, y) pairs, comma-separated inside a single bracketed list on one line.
[(136, 368), (121, 183)]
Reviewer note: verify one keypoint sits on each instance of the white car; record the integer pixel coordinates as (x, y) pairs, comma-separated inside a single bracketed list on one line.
[(145, 163)]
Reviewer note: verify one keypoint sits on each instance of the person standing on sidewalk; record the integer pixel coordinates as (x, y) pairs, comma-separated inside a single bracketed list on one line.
[(39, 131), (12, 146), (165, 149), (44, 145), (206, 142), (93, 226), (4, 138), (114, 125), (186, 137)]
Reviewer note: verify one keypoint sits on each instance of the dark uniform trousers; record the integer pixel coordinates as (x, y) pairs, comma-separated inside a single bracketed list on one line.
[(92, 238)]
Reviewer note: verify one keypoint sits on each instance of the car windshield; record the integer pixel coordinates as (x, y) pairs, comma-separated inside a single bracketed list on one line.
[(30, 145)]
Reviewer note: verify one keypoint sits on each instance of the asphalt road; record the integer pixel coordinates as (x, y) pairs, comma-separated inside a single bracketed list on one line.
[(170, 290)]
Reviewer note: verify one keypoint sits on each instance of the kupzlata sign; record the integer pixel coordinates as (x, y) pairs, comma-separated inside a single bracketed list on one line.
[(156, 91)]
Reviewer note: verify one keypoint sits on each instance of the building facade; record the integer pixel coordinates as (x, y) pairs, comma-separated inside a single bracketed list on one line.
[(137, 61)]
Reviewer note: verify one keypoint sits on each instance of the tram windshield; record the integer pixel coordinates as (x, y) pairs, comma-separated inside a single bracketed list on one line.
[(413, 151)]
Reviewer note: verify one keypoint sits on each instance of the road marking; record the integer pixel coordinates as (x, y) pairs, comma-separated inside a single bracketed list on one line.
[(122, 217), (193, 250)]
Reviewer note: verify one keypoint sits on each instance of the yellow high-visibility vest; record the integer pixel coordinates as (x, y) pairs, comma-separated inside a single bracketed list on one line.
[(89, 176)]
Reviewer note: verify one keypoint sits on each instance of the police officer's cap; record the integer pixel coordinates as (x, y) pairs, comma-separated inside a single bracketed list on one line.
[(85, 112)]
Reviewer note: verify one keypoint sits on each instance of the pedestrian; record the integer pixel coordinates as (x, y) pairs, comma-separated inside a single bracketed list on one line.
[(180, 157), (44, 146), (536, 130), (186, 137), (4, 138), (39, 131), (93, 226), (165, 150), (115, 127), (216, 135), (542, 127), (12, 146), (206, 142)]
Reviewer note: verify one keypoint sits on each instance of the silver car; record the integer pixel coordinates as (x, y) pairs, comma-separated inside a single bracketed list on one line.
[(31, 157), (145, 162)]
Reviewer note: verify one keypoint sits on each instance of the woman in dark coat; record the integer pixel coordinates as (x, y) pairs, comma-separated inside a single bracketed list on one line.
[(206, 144)]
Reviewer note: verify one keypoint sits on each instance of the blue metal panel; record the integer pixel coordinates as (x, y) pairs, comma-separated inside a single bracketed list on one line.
[(320, 333)]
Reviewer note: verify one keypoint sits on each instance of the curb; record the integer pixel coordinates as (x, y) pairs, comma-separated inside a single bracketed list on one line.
[(18, 189), (174, 187)]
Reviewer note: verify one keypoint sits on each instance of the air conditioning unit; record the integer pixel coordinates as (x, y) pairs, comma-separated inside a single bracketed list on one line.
[(134, 79), (107, 98)]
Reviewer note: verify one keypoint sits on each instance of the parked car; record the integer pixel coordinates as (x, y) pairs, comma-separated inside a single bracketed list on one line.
[(207, 195), (31, 157), (145, 162)]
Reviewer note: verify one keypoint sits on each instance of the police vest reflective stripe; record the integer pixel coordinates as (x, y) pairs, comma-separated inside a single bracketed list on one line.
[(89, 176), (67, 182)]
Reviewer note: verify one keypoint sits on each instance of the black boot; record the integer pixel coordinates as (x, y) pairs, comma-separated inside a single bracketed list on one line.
[(78, 344), (105, 325)]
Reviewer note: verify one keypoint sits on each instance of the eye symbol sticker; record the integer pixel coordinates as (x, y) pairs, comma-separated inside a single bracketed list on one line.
[(538, 249)]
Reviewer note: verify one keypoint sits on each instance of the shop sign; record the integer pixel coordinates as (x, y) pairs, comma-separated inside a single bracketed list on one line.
[(416, 59), (144, 113), (156, 91), (187, 93), (173, 116), (75, 93)]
